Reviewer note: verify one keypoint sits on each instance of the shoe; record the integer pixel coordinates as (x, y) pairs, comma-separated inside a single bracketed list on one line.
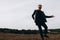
[(46, 36), (42, 38)]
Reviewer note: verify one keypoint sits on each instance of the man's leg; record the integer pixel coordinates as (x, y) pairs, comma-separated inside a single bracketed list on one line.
[(41, 32), (46, 29)]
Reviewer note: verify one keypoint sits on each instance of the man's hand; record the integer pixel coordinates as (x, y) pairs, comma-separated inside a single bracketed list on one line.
[(52, 16)]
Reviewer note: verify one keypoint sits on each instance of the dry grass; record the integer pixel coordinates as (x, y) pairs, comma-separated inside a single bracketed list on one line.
[(9, 36)]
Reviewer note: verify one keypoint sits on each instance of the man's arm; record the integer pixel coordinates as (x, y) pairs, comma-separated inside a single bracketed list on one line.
[(49, 16), (33, 14)]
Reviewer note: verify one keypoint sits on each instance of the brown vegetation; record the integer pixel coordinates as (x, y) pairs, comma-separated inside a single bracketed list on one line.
[(11, 36)]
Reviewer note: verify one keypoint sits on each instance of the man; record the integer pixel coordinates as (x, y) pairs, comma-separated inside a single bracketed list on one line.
[(40, 19)]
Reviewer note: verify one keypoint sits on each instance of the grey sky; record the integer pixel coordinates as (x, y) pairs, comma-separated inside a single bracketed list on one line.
[(16, 14)]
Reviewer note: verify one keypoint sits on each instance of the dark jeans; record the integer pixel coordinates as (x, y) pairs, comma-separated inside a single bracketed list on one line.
[(45, 29)]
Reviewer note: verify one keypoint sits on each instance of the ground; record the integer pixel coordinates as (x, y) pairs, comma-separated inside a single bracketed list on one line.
[(10, 36)]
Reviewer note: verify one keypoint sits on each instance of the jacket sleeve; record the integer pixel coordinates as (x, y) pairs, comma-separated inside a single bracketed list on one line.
[(47, 16), (33, 14)]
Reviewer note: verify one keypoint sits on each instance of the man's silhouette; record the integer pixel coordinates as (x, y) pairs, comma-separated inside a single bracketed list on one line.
[(40, 19)]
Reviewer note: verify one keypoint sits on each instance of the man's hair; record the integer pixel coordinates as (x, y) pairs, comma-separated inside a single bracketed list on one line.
[(40, 5)]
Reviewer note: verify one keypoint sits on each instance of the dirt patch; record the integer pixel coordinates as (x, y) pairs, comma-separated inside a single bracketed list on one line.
[(10, 36)]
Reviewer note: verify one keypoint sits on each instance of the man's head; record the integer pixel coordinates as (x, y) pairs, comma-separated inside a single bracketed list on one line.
[(39, 6)]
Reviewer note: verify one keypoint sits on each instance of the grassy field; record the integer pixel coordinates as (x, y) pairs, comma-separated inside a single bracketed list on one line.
[(11, 36)]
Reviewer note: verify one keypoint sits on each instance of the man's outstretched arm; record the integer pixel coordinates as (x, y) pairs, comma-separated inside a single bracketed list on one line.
[(49, 16)]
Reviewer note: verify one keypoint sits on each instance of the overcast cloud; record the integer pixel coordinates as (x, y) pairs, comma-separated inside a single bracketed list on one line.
[(16, 14)]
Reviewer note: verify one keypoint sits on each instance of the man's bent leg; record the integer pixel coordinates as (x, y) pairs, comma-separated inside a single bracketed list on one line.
[(46, 29), (41, 32)]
